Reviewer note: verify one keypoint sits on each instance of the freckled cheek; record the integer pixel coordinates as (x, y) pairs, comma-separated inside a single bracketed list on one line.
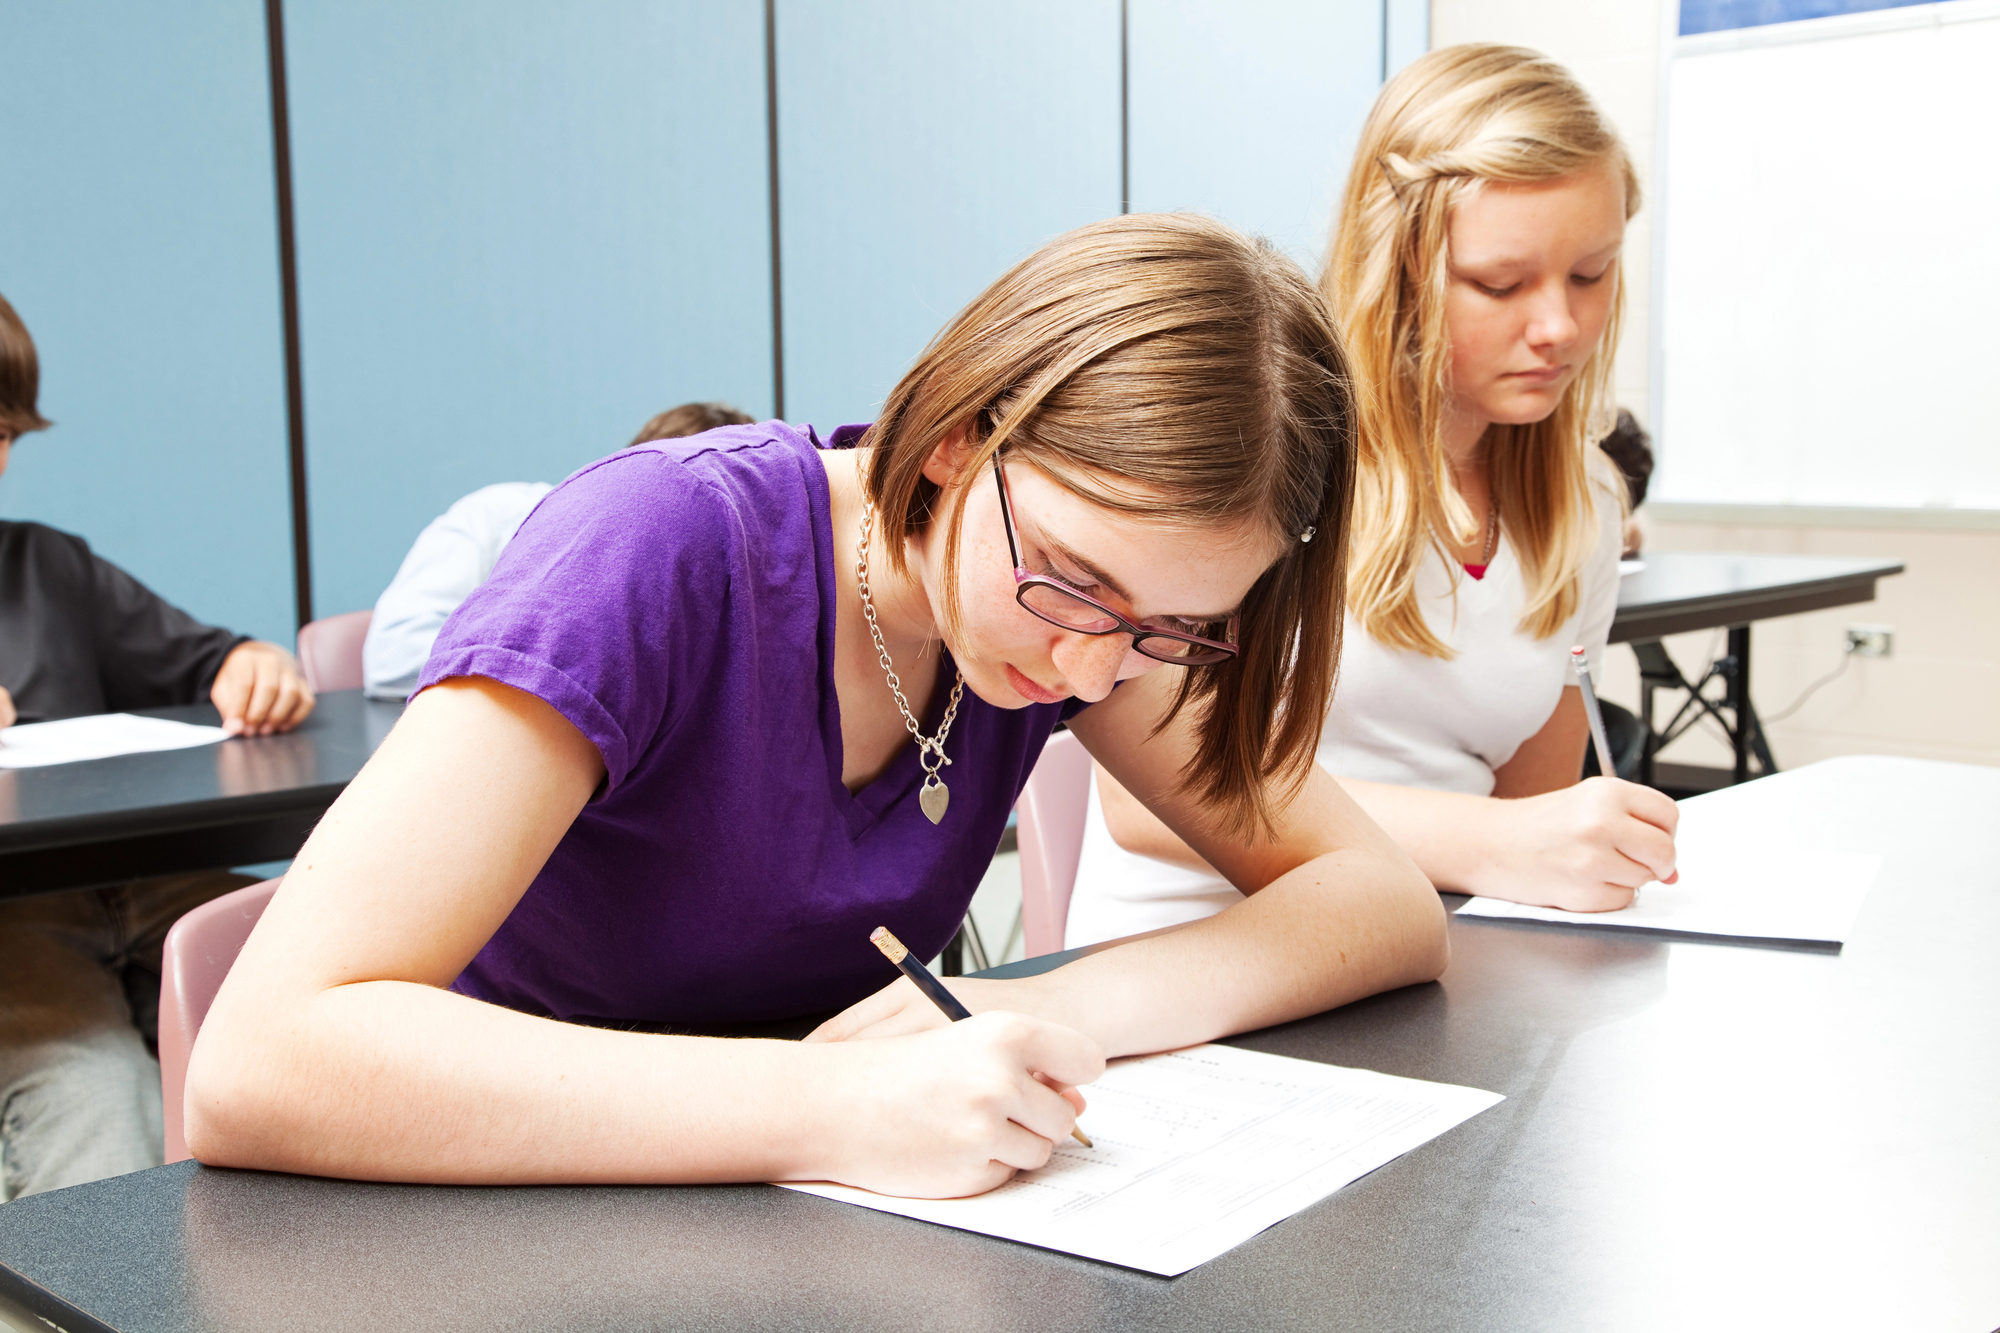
[(1001, 629)]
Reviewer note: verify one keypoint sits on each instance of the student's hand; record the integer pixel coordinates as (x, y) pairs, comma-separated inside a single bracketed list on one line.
[(1585, 848), (956, 1110), (259, 691), (7, 713)]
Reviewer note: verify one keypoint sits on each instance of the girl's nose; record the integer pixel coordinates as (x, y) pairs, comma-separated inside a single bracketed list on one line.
[(1092, 663), (1552, 323)]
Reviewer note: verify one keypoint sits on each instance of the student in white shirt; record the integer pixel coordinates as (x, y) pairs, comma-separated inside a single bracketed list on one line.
[(1475, 272), (455, 553)]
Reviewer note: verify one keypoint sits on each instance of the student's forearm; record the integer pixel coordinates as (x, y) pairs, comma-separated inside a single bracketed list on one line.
[(1444, 832), (396, 1081), (1450, 835), (1344, 926)]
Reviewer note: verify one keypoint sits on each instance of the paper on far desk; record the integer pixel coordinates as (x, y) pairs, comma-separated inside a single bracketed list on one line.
[(1729, 888), (98, 737), (1196, 1152)]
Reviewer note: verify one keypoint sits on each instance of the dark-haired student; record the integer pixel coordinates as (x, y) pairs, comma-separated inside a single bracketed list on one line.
[(729, 703), (1630, 446), (80, 971), (457, 551)]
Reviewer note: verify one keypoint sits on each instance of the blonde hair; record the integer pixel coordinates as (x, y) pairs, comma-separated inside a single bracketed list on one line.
[(1170, 366), (1450, 120)]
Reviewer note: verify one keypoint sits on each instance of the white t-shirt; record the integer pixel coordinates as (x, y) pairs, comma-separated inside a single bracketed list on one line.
[(451, 557), (1398, 717)]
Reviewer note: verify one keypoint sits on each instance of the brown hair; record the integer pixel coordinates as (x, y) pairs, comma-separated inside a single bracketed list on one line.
[(690, 419), (1168, 365), (1448, 122), (20, 375)]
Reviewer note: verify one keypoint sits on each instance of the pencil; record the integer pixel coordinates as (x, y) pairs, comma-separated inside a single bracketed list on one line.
[(898, 953), (1594, 713)]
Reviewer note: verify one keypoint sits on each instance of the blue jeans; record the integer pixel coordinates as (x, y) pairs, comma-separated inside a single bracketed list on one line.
[(79, 1015)]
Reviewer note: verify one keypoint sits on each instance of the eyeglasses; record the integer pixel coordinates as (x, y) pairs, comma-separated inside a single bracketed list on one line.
[(1059, 604)]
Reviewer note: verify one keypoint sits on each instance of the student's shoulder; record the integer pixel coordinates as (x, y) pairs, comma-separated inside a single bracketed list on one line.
[(44, 546), (731, 469), (501, 495), (493, 511)]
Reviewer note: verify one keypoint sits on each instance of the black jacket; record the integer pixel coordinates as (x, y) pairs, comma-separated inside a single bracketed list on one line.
[(78, 635)]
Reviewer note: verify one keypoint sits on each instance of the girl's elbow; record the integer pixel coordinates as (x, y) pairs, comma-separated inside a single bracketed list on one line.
[(228, 1110), (1429, 937), (213, 1122)]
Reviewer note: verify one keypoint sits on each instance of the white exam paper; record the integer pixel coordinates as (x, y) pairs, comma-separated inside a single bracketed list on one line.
[(97, 737), (1728, 887), (1196, 1152)]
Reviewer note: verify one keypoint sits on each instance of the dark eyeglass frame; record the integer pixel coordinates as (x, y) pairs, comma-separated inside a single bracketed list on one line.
[(1197, 652)]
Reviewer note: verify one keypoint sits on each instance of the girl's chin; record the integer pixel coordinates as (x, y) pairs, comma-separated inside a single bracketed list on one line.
[(1527, 407)]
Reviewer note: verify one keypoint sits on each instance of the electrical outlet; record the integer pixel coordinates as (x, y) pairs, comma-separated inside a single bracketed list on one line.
[(1870, 640)]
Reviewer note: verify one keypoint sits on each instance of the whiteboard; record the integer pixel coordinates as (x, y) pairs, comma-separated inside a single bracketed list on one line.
[(1830, 303)]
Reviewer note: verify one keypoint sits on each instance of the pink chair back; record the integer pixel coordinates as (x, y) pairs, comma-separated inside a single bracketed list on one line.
[(195, 959), (1052, 811), (330, 651)]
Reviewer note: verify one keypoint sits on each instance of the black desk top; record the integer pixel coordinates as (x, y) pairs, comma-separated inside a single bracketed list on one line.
[(241, 801), (1697, 1135), (1679, 591)]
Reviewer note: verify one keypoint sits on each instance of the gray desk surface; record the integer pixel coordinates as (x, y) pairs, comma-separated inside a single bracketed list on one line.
[(1696, 1135), (1679, 591), (242, 801)]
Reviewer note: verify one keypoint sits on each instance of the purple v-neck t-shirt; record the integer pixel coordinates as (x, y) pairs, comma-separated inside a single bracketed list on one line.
[(676, 602)]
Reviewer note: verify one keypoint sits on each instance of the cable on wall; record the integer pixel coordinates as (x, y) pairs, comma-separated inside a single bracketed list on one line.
[(777, 257), (288, 292), (1124, 106)]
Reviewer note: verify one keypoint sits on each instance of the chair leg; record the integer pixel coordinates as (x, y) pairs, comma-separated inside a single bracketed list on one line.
[(975, 944)]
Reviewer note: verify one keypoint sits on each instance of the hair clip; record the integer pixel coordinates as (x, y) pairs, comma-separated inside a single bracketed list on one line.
[(1307, 535)]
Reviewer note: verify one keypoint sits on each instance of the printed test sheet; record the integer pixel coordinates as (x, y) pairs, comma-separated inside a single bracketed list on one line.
[(1734, 889), (99, 736), (1197, 1151)]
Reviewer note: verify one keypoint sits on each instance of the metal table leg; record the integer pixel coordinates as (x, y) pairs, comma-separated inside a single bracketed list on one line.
[(1737, 696)]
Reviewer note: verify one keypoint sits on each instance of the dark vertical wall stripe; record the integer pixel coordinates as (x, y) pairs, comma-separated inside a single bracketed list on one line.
[(777, 243), (288, 287), (1125, 105)]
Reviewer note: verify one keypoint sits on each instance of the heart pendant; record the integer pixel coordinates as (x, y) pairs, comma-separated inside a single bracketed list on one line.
[(934, 799)]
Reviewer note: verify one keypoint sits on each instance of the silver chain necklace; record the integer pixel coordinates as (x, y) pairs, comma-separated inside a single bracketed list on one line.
[(933, 796), (1492, 534)]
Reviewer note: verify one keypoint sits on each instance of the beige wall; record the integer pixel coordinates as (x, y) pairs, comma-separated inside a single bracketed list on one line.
[(1938, 696)]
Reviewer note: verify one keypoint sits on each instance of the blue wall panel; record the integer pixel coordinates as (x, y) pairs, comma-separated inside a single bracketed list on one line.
[(1722, 15), (924, 148), (139, 244), (1249, 110), (1407, 33), (523, 229)]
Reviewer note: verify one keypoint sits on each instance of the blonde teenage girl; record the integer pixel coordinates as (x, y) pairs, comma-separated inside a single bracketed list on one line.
[(1476, 271), (728, 703)]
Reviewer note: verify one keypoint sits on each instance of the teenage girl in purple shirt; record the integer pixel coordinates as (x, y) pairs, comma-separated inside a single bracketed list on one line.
[(660, 776)]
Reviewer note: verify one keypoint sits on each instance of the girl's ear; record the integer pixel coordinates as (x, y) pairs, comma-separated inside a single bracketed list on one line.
[(949, 460)]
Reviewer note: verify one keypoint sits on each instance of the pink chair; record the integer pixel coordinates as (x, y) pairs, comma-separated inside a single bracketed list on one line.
[(1052, 810), (330, 651), (197, 956)]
